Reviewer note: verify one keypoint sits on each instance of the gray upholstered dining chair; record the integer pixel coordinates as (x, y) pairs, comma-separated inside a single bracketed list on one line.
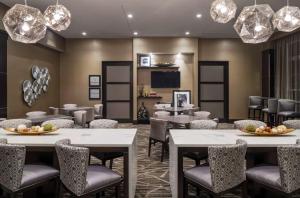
[(13, 123), (256, 103), (226, 170), (90, 115), (60, 123), (202, 115), (54, 110), (271, 111), (105, 124), (241, 124), (16, 176), (200, 124), (285, 109), (158, 133), (284, 178), (78, 177), (294, 124), (80, 118), (98, 108)]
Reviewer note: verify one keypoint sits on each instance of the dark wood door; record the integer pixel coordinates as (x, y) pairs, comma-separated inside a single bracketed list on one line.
[(213, 88), (3, 74), (117, 85)]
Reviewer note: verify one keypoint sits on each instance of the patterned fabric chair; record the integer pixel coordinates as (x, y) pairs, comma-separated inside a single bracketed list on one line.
[(106, 124), (60, 123), (77, 176), (13, 123), (241, 124), (284, 178), (16, 177), (256, 103), (226, 170), (54, 110), (80, 118), (202, 115), (294, 124), (203, 124), (161, 114), (103, 124), (158, 133), (286, 108)]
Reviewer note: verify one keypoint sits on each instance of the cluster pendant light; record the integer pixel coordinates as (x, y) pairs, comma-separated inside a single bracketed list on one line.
[(256, 23), (27, 24)]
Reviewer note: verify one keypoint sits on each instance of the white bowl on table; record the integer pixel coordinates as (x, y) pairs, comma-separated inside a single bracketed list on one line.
[(36, 114)]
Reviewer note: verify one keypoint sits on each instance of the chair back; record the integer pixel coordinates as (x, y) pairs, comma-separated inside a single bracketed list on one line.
[(60, 123), (256, 100), (14, 123), (227, 165), (80, 117), (12, 159), (54, 110), (293, 124), (90, 114), (104, 124), (73, 163), (203, 124), (272, 105), (158, 129), (98, 109), (161, 114), (242, 124), (202, 115), (286, 105), (289, 166), (70, 106)]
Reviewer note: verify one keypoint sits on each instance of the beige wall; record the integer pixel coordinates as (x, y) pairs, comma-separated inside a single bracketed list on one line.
[(83, 57), (188, 68), (20, 59), (244, 70)]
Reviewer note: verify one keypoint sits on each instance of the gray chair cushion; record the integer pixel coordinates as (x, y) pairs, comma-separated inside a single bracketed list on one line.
[(99, 177), (254, 107), (33, 174), (200, 175), (266, 175), (285, 113)]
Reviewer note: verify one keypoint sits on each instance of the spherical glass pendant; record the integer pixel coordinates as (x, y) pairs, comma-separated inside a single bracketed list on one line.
[(287, 19), (57, 17), (254, 24), (24, 24), (222, 11)]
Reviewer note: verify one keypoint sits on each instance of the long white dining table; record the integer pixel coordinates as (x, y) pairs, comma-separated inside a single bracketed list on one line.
[(183, 141), (97, 140)]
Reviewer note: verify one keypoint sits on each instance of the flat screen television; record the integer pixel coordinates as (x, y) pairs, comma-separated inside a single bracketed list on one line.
[(161, 79)]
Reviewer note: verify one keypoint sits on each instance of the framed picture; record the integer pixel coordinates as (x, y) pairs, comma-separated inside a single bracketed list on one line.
[(94, 81), (144, 60), (95, 93), (181, 97)]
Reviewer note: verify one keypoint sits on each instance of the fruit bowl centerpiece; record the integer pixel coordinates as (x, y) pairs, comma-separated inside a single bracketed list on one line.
[(267, 131), (34, 130)]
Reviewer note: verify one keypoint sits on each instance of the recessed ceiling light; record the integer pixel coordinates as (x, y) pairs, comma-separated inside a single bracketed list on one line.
[(83, 33), (135, 33), (187, 33), (198, 16), (130, 16)]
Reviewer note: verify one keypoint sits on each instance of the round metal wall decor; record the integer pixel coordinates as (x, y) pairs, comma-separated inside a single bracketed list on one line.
[(32, 90)]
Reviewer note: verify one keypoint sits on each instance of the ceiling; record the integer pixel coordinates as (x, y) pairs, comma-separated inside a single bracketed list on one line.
[(151, 18)]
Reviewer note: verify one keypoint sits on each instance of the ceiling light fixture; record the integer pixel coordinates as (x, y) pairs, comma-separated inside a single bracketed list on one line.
[(135, 33), (287, 19), (25, 24), (199, 16), (254, 25), (222, 11), (83, 33), (130, 16), (57, 17), (187, 33)]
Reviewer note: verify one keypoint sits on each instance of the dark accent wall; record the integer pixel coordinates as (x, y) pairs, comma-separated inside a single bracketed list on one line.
[(3, 74)]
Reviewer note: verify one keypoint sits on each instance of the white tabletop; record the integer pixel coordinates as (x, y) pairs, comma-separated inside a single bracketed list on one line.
[(205, 138), (81, 137)]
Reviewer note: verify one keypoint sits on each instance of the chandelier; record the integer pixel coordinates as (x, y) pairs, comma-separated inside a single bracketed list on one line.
[(222, 11), (57, 17), (287, 19), (27, 24), (24, 23)]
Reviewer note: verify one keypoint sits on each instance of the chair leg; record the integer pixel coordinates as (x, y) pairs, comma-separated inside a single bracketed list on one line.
[(260, 115), (162, 152), (149, 148), (244, 190), (103, 162), (248, 113), (117, 191), (197, 162), (111, 162), (185, 189), (98, 195)]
